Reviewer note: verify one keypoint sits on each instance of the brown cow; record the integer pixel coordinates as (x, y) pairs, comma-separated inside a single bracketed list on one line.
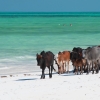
[(78, 63), (62, 59)]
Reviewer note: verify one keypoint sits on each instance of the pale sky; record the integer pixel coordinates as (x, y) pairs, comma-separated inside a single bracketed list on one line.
[(49, 5)]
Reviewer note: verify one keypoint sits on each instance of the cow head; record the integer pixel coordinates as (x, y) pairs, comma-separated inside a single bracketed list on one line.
[(39, 59), (84, 53), (74, 56)]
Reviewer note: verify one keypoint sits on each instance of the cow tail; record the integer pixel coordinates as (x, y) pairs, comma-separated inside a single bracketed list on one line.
[(54, 69)]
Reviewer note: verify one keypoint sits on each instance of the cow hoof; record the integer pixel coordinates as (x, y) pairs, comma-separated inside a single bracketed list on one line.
[(50, 76), (96, 73), (42, 77)]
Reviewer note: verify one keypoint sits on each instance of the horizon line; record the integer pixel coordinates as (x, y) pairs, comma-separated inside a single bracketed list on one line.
[(49, 11)]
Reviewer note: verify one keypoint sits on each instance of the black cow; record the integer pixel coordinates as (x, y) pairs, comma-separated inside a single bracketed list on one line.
[(45, 59), (78, 50), (73, 57)]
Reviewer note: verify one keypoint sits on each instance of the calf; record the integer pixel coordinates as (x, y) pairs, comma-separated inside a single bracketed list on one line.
[(62, 59), (78, 63), (73, 57)]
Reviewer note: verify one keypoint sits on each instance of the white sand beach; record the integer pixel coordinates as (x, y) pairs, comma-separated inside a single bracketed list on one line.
[(60, 87)]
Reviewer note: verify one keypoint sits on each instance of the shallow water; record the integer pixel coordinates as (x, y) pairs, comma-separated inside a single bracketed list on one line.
[(23, 35)]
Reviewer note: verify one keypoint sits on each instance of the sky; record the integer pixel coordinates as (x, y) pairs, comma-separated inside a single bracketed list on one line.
[(49, 5)]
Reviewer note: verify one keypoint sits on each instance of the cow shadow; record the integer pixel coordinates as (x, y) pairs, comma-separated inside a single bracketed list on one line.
[(48, 74), (26, 79), (68, 74)]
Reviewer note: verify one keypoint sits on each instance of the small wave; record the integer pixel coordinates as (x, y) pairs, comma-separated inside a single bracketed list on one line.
[(25, 57), (1, 68), (6, 60)]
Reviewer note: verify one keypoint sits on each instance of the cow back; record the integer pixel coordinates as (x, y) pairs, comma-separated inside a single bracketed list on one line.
[(92, 53), (49, 58)]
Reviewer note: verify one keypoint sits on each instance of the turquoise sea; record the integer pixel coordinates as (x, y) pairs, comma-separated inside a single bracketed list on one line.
[(24, 34)]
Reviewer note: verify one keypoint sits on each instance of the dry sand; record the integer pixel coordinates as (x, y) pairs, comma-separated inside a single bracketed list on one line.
[(29, 86)]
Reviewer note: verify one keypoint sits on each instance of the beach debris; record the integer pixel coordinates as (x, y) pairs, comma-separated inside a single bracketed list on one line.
[(26, 74), (3, 76), (11, 75)]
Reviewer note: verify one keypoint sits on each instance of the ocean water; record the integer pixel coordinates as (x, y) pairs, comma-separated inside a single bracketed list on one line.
[(23, 35)]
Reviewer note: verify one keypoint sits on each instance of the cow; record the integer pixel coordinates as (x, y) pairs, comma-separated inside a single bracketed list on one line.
[(92, 55), (77, 54), (78, 63), (61, 60), (73, 57), (78, 50), (45, 59)]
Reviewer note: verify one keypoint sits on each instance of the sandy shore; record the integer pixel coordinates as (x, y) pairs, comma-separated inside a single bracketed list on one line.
[(65, 86)]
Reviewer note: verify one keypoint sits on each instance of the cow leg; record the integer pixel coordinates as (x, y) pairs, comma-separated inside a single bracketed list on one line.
[(87, 68), (81, 70), (62, 67), (50, 71), (65, 67), (97, 68), (68, 67), (97, 71), (43, 75), (93, 71), (93, 68), (77, 70), (61, 70), (87, 63), (74, 69), (58, 68), (50, 76)]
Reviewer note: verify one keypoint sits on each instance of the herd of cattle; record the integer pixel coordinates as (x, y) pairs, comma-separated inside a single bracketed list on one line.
[(83, 60)]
